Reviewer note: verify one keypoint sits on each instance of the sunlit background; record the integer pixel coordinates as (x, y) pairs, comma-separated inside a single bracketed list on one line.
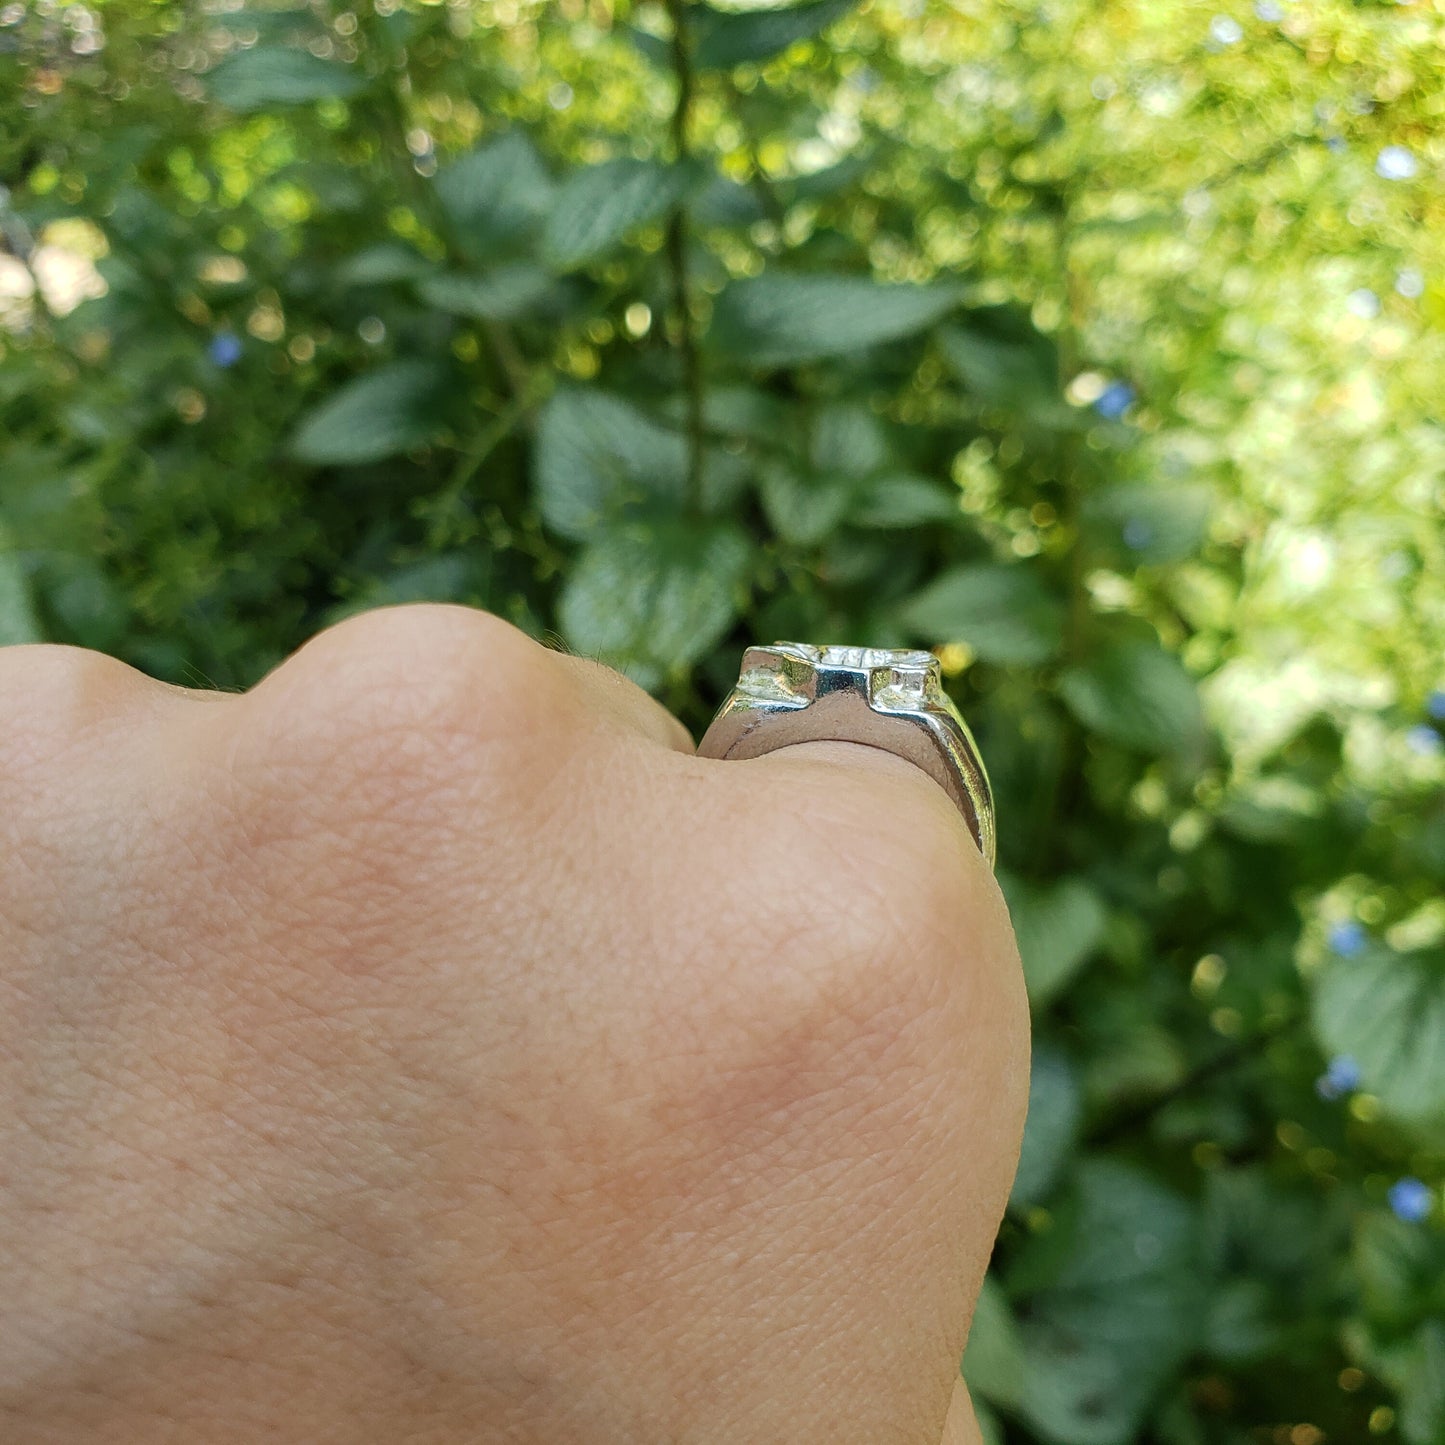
[(1099, 347)]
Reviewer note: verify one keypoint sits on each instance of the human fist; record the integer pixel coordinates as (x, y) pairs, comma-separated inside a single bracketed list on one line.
[(426, 1046)]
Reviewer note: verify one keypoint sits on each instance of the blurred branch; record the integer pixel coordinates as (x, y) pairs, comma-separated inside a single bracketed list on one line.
[(677, 254), (487, 440), (1127, 1122)]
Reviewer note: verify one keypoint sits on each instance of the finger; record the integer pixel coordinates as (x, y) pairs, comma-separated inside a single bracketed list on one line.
[(961, 1427)]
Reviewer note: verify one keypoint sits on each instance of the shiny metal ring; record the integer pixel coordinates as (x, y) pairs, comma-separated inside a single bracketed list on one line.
[(793, 692)]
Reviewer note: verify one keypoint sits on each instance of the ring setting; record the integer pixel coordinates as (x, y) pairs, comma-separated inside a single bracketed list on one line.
[(792, 692)]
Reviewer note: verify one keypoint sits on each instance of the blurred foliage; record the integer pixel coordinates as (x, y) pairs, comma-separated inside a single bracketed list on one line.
[(1097, 347)]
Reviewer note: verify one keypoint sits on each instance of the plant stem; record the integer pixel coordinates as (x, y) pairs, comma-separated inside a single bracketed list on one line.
[(677, 257)]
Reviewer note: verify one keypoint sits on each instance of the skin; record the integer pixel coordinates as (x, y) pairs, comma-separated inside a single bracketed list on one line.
[(426, 1046)]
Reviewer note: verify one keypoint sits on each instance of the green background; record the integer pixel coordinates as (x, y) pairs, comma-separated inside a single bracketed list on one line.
[(1096, 346)]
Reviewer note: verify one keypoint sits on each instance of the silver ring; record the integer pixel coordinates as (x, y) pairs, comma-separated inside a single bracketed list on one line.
[(793, 692)]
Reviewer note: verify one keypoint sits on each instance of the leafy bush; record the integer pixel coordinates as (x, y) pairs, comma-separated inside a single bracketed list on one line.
[(1097, 348)]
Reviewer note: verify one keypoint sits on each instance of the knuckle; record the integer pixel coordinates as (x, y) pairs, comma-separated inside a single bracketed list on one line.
[(53, 696), (392, 703)]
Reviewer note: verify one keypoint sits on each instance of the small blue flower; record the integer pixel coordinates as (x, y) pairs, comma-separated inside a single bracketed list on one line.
[(1138, 533), (1226, 30), (1424, 739), (1347, 939), (1411, 1199), (1268, 10), (1336, 143), (1341, 1076), (1436, 705), (225, 348), (1115, 400), (1395, 163)]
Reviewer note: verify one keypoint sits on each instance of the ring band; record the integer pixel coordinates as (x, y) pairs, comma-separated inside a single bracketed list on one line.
[(793, 692)]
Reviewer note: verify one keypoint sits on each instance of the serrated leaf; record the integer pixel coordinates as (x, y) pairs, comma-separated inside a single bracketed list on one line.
[(598, 205), (1150, 523), (650, 601), (1138, 695), (379, 265), (373, 416), (595, 453), (18, 622), (1386, 1010), (1122, 1310), (496, 197), (803, 509), (724, 38), (502, 294), (901, 499), (780, 317), (1058, 928), (993, 1363), (272, 75), (1051, 1132), (1003, 611)]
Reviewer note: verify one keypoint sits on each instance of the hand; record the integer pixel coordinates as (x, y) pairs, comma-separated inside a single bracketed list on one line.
[(426, 1046)]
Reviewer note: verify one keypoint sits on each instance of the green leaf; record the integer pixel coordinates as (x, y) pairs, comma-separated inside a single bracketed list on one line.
[(372, 416), (1052, 1130), (901, 499), (1000, 372), (18, 622), (722, 201), (504, 293), (1422, 1396), (725, 38), (1122, 1310), (596, 453), (1003, 611), (650, 601), (784, 317), (1150, 523), (496, 197), (598, 205), (993, 1363), (381, 264), (1239, 1326), (272, 75), (803, 509), (1058, 927), (1386, 1010), (1138, 695), (847, 440), (1396, 1265), (1005, 361)]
